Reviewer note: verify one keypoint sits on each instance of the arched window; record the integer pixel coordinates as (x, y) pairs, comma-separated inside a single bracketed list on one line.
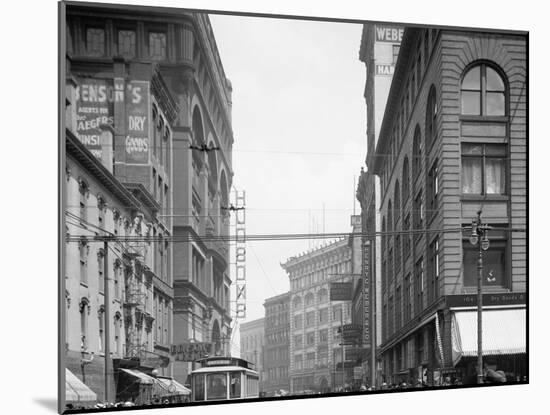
[(118, 338), (417, 153), (431, 115), (101, 326), (297, 302), (483, 92), (84, 308), (310, 299), (405, 181), (323, 296)]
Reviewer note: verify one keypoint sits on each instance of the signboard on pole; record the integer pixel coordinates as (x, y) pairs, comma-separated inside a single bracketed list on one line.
[(190, 351), (341, 291)]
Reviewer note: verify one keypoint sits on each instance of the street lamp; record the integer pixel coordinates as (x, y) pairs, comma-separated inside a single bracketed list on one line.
[(480, 230)]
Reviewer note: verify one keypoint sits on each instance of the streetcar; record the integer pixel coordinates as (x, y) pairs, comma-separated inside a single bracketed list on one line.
[(224, 378)]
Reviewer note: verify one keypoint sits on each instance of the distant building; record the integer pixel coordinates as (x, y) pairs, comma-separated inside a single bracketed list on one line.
[(276, 357), (252, 344), (315, 321)]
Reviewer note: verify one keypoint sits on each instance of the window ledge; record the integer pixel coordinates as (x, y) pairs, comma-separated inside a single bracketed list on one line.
[(484, 118), (483, 198)]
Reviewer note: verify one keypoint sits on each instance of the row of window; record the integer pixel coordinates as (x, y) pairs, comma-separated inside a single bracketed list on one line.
[(321, 275), (280, 336), (276, 373), (309, 299), (322, 315), (125, 44)]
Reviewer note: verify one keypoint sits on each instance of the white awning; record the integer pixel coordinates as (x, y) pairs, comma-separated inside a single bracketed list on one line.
[(175, 388), (503, 333), (76, 390), (140, 376)]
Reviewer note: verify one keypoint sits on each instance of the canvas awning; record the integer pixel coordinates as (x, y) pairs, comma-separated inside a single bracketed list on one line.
[(174, 387), (139, 376), (76, 390), (503, 333)]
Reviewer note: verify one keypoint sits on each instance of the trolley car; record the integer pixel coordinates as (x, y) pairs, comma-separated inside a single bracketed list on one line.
[(224, 378)]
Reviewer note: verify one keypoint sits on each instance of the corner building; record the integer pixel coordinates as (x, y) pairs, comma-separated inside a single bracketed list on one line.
[(453, 141), (194, 109), (315, 351)]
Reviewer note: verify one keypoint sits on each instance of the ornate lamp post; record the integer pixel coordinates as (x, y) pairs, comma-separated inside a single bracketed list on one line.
[(480, 234)]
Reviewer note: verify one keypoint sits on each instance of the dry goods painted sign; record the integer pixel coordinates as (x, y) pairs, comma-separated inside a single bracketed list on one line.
[(137, 122)]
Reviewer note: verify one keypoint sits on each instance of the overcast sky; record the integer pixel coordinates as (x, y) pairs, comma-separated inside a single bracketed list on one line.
[(299, 122)]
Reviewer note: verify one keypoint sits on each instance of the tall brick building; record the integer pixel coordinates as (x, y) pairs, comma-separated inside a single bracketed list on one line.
[(276, 359), (452, 142), (149, 94)]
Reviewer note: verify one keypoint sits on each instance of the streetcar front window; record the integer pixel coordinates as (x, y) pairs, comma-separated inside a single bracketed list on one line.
[(198, 388), (217, 386), (235, 385)]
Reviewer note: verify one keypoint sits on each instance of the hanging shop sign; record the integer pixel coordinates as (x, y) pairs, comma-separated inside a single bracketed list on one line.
[(95, 100), (350, 332), (137, 122), (341, 291), (190, 351)]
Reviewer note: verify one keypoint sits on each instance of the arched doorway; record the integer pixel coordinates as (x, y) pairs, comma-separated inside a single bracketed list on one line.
[(323, 385)]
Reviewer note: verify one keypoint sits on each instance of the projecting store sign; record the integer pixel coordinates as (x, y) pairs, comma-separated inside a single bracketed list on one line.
[(341, 291), (366, 295), (95, 100), (137, 122), (189, 352)]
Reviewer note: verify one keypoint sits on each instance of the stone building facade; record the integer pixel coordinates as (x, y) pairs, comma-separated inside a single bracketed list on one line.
[(453, 142), (315, 350), (252, 341), (276, 359)]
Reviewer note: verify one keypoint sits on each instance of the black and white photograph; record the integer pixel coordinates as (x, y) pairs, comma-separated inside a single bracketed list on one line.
[(263, 209), (270, 207)]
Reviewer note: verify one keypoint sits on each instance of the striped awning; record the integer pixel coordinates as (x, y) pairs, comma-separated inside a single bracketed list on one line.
[(174, 387), (503, 333), (76, 390), (140, 376)]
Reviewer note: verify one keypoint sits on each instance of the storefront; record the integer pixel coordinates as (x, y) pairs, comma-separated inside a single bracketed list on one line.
[(503, 344), (77, 394)]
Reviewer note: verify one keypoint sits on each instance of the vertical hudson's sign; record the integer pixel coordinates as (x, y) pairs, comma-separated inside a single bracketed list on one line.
[(366, 295), (137, 122), (94, 109)]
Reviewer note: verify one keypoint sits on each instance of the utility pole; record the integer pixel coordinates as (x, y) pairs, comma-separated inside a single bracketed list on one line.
[(107, 318)]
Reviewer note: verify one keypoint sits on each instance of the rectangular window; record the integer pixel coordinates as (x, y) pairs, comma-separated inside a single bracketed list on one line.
[(95, 41), (100, 265), (407, 299), (127, 43), (298, 321), (83, 248), (336, 313), (298, 363), (433, 191), (494, 261), (484, 169), (310, 318), (310, 338), (323, 336), (433, 288), (310, 360), (419, 286), (157, 46), (323, 315), (406, 236), (418, 213)]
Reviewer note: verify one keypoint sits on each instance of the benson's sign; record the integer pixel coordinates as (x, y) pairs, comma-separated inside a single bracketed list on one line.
[(189, 352), (341, 291)]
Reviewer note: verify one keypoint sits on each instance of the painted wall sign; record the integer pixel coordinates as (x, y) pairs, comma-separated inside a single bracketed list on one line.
[(389, 34), (94, 108), (384, 69), (137, 122)]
